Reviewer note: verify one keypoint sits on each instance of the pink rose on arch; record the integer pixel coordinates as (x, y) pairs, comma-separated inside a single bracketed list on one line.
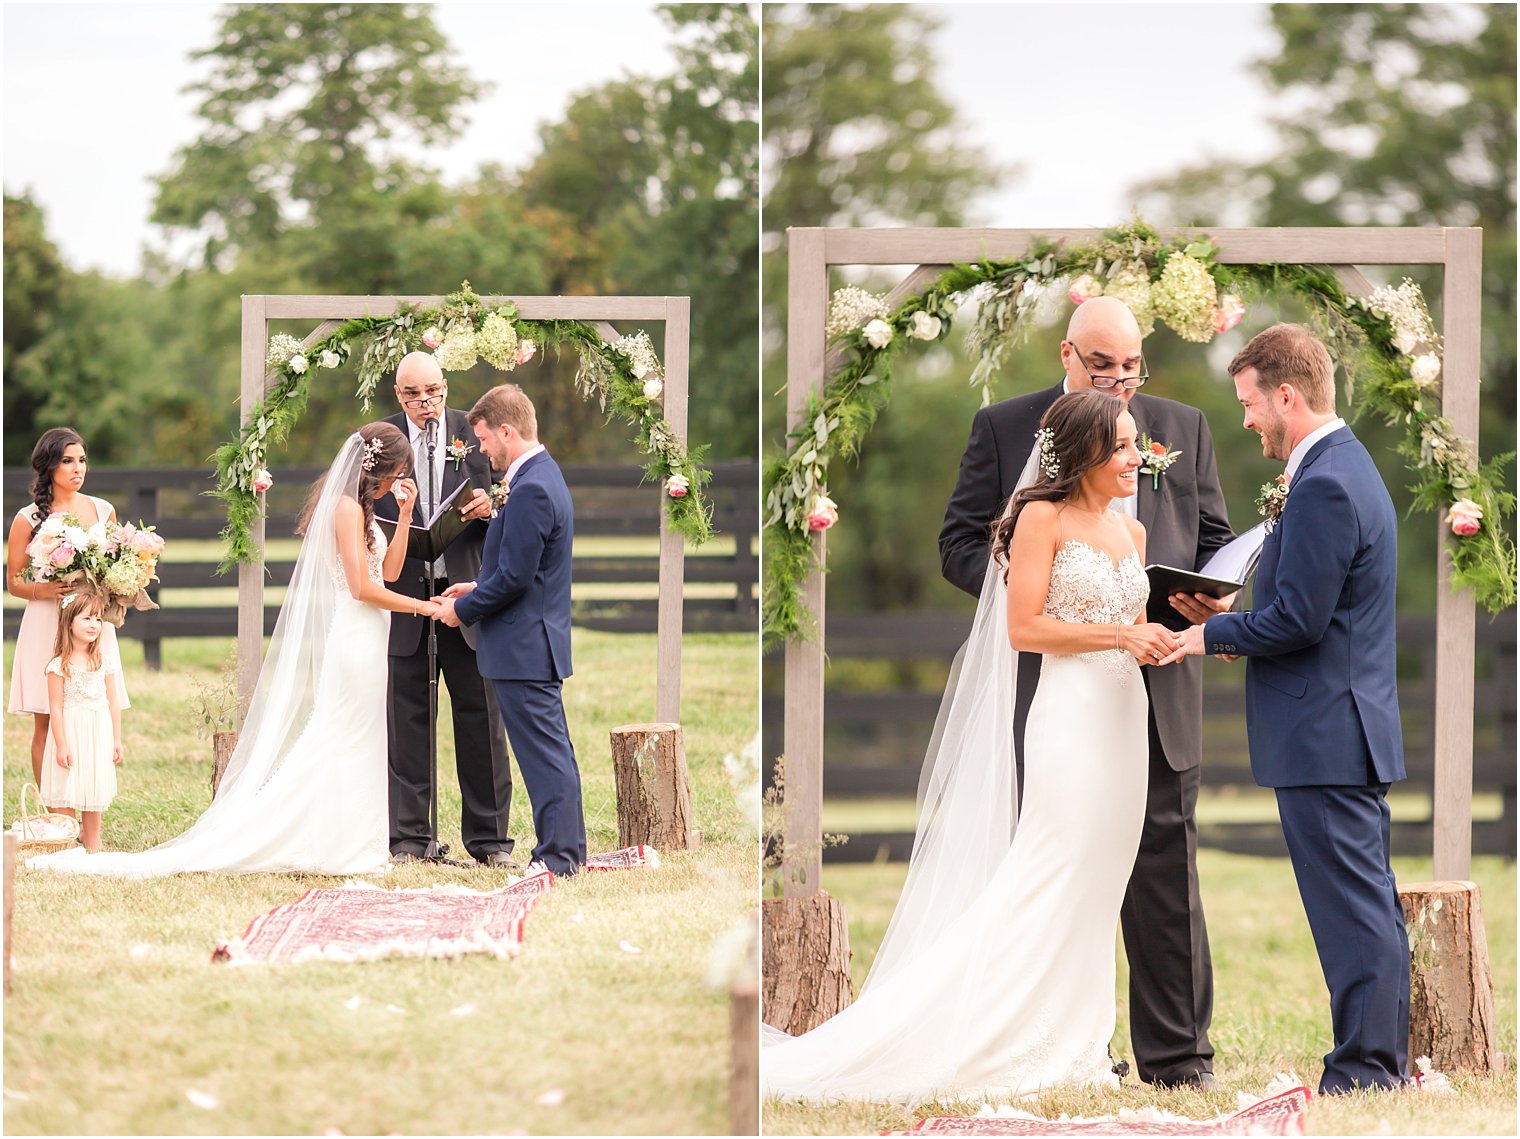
[(1227, 315), (677, 485), (1465, 516), (526, 351), (432, 337), (824, 513), (262, 481), (1084, 288)]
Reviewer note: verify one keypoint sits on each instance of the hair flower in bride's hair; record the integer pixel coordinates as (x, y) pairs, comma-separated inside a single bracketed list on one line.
[(1050, 462), (372, 451)]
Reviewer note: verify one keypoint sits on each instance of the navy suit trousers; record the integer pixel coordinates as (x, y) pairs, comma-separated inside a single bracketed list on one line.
[(1338, 839), (534, 713)]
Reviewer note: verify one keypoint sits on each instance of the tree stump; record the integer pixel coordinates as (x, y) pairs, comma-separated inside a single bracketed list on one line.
[(223, 744), (744, 1067), (1451, 991), (653, 792), (805, 951), (10, 901)]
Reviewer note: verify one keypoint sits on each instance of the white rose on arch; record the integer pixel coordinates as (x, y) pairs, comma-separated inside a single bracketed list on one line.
[(925, 327), (330, 360), (878, 333), (1426, 367), (653, 387), (298, 364)]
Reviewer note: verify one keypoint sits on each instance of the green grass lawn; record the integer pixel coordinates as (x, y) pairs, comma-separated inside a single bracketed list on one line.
[(1271, 1011), (117, 1013)]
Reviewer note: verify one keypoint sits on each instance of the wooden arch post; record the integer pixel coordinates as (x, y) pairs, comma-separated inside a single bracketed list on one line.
[(812, 252), (674, 312)]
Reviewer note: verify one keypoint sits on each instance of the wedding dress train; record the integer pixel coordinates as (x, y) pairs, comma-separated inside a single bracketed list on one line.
[(1015, 993), (305, 789)]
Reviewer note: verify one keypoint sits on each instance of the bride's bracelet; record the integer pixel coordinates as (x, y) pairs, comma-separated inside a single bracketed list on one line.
[(1116, 634)]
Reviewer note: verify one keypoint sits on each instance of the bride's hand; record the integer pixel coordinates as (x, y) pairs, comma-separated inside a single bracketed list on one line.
[(1149, 643), (405, 493), (428, 609)]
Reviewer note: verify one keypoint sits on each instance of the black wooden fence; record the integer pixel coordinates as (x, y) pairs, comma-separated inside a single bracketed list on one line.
[(884, 685), (610, 502)]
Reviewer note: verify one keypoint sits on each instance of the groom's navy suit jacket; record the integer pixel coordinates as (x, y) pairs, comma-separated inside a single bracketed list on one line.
[(522, 597), (1322, 705)]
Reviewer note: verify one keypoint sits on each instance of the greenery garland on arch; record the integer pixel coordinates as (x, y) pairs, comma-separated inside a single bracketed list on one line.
[(625, 377), (1386, 344)]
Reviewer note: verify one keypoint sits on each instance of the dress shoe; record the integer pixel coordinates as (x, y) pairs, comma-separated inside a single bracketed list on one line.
[(497, 860), (1203, 1081), (401, 857)]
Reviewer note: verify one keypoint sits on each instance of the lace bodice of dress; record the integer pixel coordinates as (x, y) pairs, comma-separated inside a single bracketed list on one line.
[(82, 687), (1086, 588), (373, 560)]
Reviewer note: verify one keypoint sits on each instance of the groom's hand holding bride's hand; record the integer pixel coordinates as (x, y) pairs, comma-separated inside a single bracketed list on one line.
[(1148, 643), (445, 602), (1191, 644)]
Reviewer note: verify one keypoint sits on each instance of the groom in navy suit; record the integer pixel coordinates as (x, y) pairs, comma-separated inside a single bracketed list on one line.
[(521, 601), (1322, 705)]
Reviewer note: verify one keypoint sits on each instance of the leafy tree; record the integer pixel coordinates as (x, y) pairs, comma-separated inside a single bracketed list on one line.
[(35, 277)]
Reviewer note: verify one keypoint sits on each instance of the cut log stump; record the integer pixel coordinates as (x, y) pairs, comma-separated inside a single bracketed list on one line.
[(1451, 991), (653, 791), (744, 1067), (805, 947), (223, 744), (10, 901)]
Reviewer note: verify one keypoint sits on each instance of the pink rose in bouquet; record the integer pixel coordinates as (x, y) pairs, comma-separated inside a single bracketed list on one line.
[(62, 555)]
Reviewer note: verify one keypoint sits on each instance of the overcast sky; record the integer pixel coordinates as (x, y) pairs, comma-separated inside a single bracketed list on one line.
[(94, 109)]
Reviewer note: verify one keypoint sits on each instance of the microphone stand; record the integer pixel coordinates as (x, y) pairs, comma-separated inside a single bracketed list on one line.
[(436, 851)]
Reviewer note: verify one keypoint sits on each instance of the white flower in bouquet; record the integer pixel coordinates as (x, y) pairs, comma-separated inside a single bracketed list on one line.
[(53, 526), (925, 327), (639, 352), (497, 342), (878, 333), (457, 353), (127, 576), (298, 364), (281, 348), (652, 388), (851, 308), (331, 359), (1426, 367), (95, 536), (1185, 298), (76, 536)]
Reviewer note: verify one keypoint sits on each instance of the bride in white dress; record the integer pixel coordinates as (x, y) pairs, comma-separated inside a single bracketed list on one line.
[(305, 789), (996, 977)]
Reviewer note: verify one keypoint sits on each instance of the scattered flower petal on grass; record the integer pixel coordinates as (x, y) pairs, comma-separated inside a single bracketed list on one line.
[(578, 916), (551, 1098), (203, 1100), (352, 1003), (395, 1008), (19, 1097), (465, 1009), (141, 949), (629, 948)]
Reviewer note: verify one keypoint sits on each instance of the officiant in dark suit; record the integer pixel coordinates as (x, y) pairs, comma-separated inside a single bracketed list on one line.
[(480, 750), (1171, 995)]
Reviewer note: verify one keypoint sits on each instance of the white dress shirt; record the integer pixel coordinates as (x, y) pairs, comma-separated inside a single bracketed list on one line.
[(517, 463), (419, 452), (1297, 457)]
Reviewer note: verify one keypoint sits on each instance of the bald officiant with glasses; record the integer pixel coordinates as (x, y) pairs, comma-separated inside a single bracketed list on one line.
[(445, 456), (1171, 996)]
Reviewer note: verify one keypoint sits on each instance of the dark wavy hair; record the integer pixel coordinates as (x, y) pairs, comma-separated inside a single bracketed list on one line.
[(1084, 429), (395, 455), (46, 456)]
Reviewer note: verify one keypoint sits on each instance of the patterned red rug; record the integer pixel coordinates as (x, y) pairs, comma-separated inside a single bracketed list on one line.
[(361, 922), (625, 859), (1278, 1115)]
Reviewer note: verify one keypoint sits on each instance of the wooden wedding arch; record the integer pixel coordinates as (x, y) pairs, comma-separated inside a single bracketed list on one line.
[(813, 252), (674, 312)]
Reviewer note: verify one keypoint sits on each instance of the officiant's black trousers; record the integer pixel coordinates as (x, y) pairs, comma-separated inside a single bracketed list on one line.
[(1171, 978), (480, 749)]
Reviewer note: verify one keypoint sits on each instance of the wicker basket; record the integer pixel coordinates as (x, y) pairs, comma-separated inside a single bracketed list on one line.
[(61, 831)]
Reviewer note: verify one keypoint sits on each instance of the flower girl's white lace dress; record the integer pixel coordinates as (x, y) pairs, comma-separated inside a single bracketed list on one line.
[(306, 787), (1017, 993)]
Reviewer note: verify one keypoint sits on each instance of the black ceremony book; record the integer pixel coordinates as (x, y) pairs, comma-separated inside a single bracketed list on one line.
[(428, 539), (1228, 570)]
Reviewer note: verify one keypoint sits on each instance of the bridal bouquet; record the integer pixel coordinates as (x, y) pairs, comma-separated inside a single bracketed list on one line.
[(118, 559)]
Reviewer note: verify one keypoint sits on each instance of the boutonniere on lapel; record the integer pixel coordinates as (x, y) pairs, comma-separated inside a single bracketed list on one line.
[(498, 493), (1272, 499), (457, 450), (1155, 459)]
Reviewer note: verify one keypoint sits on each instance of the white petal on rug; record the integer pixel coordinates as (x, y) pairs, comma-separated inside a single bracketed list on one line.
[(352, 1003), (627, 948), (202, 1100), (551, 1098), (462, 1010)]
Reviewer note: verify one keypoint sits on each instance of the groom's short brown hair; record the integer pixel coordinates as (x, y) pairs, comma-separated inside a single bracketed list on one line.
[(1290, 354), (509, 404)]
